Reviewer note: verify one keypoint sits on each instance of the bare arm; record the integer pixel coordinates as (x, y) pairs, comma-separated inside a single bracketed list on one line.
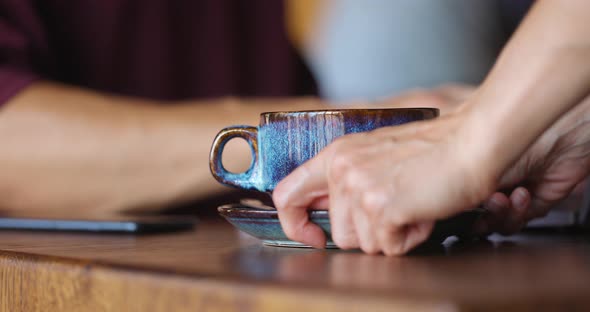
[(66, 149), (543, 72)]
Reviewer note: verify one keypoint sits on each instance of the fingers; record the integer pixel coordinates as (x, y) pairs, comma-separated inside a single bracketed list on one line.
[(344, 233), (497, 207), (506, 215), (417, 234), (520, 201), (367, 180), (365, 231), (398, 240), (292, 196)]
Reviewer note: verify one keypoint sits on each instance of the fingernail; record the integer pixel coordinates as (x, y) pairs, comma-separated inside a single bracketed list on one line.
[(494, 204), (520, 199)]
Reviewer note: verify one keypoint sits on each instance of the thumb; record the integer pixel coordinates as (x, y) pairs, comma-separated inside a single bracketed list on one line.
[(293, 197)]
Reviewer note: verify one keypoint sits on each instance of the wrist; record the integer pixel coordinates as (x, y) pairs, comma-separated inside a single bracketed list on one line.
[(478, 147)]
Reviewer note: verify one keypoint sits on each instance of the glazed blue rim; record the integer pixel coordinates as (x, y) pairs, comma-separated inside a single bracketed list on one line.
[(336, 110)]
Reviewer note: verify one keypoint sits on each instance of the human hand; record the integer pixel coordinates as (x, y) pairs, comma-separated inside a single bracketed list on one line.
[(550, 169), (546, 173), (385, 188)]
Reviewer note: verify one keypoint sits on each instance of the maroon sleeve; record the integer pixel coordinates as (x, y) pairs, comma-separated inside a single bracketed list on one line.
[(20, 38)]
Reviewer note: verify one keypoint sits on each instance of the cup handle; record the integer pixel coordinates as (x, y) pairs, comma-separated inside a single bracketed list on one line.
[(241, 180)]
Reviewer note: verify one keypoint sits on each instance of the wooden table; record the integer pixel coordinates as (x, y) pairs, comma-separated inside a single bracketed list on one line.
[(214, 268)]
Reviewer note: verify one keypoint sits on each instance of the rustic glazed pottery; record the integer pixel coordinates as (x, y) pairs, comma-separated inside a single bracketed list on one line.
[(264, 224), (285, 140)]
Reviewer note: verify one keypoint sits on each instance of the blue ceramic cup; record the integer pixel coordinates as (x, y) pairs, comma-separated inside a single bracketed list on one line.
[(285, 140)]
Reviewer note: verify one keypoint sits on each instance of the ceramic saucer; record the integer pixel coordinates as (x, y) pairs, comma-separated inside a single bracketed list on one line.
[(262, 222)]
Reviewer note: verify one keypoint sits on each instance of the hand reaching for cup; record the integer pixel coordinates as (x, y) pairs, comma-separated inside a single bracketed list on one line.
[(545, 174), (365, 194), (384, 189)]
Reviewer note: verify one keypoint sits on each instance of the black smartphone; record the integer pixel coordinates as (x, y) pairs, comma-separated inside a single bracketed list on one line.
[(131, 224)]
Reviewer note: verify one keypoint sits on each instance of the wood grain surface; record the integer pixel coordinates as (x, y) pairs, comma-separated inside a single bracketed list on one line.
[(214, 268)]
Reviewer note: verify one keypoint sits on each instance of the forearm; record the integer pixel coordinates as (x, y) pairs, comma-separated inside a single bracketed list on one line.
[(64, 148), (542, 73)]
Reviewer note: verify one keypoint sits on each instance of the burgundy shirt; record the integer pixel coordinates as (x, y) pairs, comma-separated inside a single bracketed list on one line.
[(162, 49)]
